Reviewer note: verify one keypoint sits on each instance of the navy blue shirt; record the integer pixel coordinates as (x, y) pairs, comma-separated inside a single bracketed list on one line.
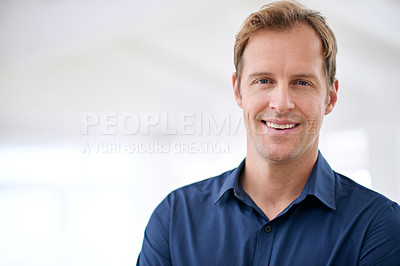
[(334, 221)]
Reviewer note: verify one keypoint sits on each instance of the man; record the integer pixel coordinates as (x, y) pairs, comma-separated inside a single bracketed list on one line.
[(283, 205)]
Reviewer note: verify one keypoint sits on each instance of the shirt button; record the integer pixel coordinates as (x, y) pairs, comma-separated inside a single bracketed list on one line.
[(267, 228)]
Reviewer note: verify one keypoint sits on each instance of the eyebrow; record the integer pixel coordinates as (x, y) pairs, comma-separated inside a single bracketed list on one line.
[(306, 75), (257, 74), (300, 75)]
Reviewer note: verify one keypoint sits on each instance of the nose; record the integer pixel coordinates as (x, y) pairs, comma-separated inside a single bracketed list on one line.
[(281, 99)]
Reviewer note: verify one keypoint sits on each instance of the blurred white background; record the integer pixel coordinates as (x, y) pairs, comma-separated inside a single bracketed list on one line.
[(70, 198)]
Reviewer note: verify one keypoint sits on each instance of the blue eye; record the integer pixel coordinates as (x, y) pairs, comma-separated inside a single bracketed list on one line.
[(263, 81), (302, 83)]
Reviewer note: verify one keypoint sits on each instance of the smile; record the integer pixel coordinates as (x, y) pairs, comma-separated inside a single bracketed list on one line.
[(280, 126)]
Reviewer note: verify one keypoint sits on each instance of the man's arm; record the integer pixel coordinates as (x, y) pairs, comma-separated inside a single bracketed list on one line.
[(382, 242), (155, 249)]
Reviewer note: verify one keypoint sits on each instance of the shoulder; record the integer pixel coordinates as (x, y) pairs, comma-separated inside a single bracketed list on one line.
[(193, 202), (185, 200), (363, 206), (378, 216), (201, 191), (351, 193), (372, 218)]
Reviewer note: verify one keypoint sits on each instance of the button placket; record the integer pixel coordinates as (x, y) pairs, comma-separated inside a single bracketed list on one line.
[(265, 243)]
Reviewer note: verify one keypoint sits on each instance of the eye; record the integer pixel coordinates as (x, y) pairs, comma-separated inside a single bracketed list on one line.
[(263, 81), (302, 83)]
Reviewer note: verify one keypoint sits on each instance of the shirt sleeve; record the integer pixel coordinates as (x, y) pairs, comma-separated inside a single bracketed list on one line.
[(155, 249), (382, 242)]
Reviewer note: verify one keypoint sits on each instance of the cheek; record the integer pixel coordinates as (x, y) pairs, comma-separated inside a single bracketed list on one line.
[(313, 112), (252, 106), (312, 101), (254, 102), (313, 124)]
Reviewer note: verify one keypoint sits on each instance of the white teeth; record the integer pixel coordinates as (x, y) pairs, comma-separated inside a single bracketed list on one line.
[(279, 126)]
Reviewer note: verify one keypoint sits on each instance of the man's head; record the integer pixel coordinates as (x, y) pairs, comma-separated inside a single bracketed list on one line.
[(283, 16), (285, 83)]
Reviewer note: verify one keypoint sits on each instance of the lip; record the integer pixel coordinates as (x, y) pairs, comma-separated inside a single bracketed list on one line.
[(279, 122), (286, 130)]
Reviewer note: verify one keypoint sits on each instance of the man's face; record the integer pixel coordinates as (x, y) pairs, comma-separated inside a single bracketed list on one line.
[(283, 93)]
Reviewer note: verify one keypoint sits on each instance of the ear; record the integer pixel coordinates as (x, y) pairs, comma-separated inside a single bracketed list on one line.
[(235, 85), (332, 97)]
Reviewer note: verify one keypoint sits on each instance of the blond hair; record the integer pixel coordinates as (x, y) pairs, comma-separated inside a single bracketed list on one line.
[(281, 16)]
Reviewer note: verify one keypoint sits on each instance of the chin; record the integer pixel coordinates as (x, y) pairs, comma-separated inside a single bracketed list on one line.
[(279, 158), (276, 154)]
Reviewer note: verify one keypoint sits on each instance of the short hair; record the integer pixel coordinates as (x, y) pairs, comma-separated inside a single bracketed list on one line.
[(281, 16)]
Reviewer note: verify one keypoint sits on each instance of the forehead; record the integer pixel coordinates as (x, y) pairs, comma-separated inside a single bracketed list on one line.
[(298, 47)]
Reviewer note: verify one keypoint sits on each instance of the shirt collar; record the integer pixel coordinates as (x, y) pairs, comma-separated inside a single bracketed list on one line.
[(231, 182), (321, 183)]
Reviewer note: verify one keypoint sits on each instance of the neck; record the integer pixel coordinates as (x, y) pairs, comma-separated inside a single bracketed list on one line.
[(272, 185)]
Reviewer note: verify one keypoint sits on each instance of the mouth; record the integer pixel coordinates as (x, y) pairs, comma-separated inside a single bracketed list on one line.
[(280, 126)]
